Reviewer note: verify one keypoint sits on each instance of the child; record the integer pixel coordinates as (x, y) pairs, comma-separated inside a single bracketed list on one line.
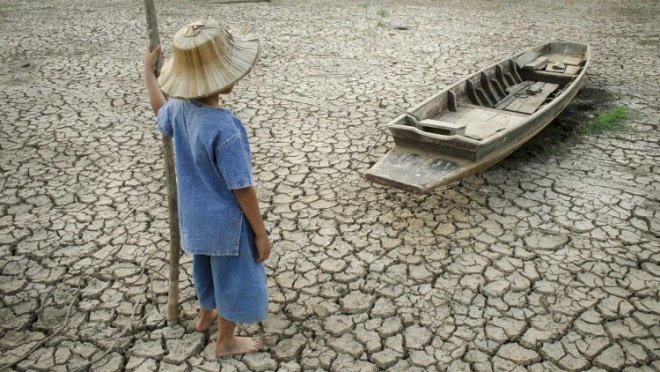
[(221, 225)]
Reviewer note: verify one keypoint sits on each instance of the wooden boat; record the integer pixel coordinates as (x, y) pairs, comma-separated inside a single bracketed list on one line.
[(473, 124)]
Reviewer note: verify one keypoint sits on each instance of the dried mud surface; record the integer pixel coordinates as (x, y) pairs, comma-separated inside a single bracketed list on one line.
[(548, 261)]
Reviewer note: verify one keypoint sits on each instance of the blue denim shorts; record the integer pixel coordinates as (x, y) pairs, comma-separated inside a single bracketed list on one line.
[(235, 285)]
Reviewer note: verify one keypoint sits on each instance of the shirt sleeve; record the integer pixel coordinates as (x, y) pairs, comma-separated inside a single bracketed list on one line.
[(233, 161), (163, 120)]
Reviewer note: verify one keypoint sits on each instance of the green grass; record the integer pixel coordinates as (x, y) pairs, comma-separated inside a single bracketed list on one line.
[(381, 18), (609, 121), (382, 13), (649, 41), (557, 141)]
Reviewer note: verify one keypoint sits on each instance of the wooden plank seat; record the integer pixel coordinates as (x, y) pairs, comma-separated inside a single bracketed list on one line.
[(528, 99), (572, 70), (565, 59), (481, 122), (537, 64), (564, 64), (556, 63), (442, 127), (511, 93)]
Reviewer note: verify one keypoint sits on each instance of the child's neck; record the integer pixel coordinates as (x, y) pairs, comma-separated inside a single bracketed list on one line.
[(213, 100)]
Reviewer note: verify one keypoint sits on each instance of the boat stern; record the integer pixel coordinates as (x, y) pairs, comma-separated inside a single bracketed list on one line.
[(412, 170)]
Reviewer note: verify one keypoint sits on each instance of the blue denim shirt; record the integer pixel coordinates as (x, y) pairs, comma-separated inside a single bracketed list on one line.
[(212, 159)]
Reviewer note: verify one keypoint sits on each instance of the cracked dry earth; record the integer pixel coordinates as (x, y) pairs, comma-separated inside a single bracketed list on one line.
[(548, 261)]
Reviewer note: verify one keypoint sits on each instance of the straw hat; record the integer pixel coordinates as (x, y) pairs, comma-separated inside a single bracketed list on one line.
[(207, 59)]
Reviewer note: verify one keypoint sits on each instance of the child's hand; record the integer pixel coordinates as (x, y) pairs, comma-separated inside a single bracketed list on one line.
[(247, 199), (150, 58), (156, 97), (263, 247)]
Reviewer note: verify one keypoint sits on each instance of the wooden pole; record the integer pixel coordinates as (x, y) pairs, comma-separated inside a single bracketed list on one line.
[(170, 176)]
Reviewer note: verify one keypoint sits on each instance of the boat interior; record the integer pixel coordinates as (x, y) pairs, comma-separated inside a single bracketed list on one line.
[(499, 98)]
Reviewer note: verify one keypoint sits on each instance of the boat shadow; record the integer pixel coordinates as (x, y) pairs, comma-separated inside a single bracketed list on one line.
[(565, 130)]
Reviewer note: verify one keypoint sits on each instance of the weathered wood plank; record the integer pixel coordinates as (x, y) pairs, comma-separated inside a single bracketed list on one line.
[(526, 58), (511, 94), (410, 169), (518, 87), (500, 90), (482, 122), (522, 96), (511, 113), (472, 93), (555, 67), (572, 70), (529, 105), (565, 59), (537, 64), (442, 127)]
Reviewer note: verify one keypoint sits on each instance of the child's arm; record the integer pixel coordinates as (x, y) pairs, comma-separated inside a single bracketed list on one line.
[(156, 97), (247, 199)]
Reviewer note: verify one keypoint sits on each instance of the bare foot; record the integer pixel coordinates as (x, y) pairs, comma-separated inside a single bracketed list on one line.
[(204, 319), (237, 345)]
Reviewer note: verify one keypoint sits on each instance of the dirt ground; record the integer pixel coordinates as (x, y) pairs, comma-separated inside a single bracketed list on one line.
[(548, 261)]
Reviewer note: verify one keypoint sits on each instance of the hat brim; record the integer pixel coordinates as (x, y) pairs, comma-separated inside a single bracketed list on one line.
[(186, 83)]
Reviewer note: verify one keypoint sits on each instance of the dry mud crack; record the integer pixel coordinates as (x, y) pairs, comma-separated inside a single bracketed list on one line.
[(548, 261)]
